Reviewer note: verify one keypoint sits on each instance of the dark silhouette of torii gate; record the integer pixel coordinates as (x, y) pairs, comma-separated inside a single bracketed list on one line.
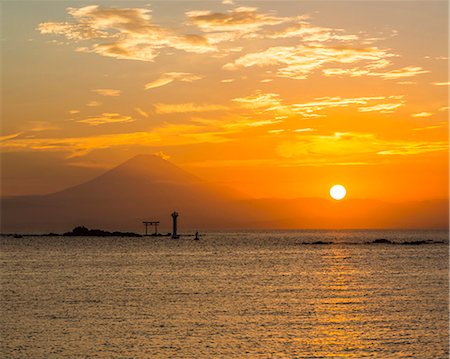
[(151, 223)]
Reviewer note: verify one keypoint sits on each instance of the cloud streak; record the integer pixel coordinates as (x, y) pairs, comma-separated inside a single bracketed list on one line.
[(422, 114), (162, 108), (354, 144), (107, 92), (241, 20), (170, 77), (106, 118), (272, 102)]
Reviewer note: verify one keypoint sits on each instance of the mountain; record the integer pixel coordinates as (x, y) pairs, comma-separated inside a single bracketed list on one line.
[(147, 187)]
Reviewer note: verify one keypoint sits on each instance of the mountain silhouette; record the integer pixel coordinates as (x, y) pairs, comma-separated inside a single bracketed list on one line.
[(146, 187)]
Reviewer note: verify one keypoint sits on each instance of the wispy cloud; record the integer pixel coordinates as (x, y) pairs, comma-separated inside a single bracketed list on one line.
[(307, 129), (162, 155), (309, 33), (370, 71), (409, 71), (106, 118), (441, 83), (259, 100), (170, 77), (354, 145), (298, 62), (141, 112), (382, 107), (364, 104), (93, 104), (263, 123), (122, 33), (131, 33), (10, 137), (107, 92), (37, 126), (422, 114), (80, 146), (433, 127), (241, 19), (163, 108), (273, 102)]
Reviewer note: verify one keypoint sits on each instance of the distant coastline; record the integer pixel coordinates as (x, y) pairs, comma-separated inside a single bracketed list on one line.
[(79, 231)]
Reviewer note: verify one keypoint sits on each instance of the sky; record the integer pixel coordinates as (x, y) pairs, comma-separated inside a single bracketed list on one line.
[(269, 98)]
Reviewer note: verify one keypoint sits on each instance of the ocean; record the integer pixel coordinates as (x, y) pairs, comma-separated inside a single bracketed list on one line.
[(255, 294)]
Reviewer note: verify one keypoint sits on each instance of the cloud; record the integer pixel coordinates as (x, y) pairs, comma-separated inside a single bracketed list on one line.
[(141, 112), (106, 118), (170, 77), (73, 112), (10, 137), (353, 145), (441, 83), (168, 135), (37, 126), (422, 114), (93, 103), (263, 123), (122, 33), (307, 129), (276, 132), (72, 31), (241, 20), (309, 33), (298, 62), (382, 107), (162, 155), (414, 148), (369, 70), (162, 108), (312, 109), (259, 100), (408, 71), (107, 92), (228, 2), (434, 127), (130, 33), (309, 109)]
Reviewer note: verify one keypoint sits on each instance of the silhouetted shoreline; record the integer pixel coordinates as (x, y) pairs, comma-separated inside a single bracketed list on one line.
[(79, 231), (82, 231)]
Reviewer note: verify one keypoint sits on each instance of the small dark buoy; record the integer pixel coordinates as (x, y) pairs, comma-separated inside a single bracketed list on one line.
[(196, 236)]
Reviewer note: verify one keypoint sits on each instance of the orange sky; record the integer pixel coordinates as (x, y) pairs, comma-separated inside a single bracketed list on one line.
[(274, 99)]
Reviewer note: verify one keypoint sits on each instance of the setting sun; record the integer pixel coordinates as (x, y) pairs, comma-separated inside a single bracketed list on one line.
[(338, 192)]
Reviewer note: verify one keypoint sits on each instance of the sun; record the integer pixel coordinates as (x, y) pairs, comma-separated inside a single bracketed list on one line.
[(338, 192)]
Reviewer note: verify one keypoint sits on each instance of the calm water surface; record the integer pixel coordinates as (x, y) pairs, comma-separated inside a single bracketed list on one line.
[(229, 295)]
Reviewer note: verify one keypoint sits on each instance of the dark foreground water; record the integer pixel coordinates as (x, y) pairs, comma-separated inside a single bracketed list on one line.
[(229, 295)]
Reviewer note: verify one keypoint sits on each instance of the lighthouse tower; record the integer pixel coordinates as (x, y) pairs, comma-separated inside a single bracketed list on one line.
[(174, 225)]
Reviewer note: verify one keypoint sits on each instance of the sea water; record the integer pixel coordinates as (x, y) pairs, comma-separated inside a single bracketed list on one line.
[(228, 295)]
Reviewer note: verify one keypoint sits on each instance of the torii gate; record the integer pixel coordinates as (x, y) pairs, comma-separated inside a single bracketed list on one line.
[(152, 223)]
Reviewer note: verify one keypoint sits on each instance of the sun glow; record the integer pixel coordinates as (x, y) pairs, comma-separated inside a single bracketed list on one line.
[(338, 192)]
